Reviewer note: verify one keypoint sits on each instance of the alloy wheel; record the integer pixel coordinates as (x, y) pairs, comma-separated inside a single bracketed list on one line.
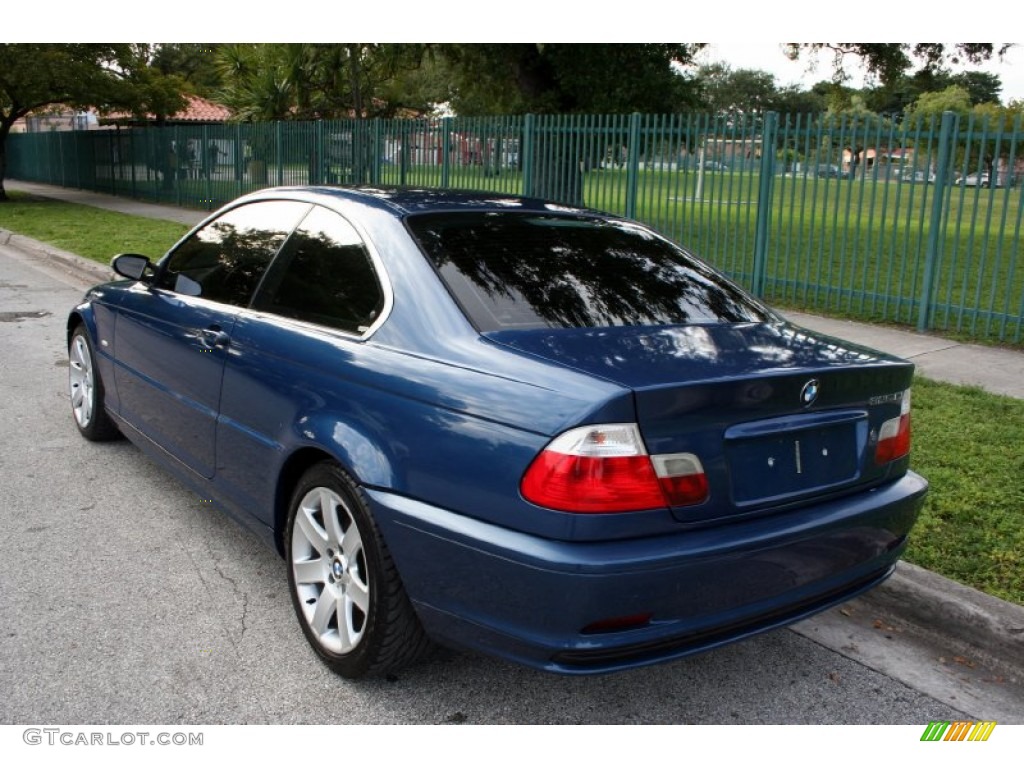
[(329, 568)]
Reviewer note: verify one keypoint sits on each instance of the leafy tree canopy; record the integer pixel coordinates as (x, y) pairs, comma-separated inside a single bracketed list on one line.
[(567, 77), (34, 76), (724, 89), (891, 61), (752, 91), (952, 99), (195, 63), (277, 81), (896, 97)]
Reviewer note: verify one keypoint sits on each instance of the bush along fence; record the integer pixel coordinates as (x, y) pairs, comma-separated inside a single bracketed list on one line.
[(916, 223)]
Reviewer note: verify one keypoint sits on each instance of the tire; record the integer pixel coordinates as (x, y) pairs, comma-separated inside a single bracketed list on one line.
[(345, 589), (86, 390)]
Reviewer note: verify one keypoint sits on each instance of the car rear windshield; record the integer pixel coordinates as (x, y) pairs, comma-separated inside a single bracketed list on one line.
[(511, 270)]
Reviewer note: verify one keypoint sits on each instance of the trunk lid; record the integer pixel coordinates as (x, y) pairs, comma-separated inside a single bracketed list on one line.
[(776, 414)]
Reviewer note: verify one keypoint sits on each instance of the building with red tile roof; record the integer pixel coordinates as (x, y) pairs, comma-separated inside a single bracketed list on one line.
[(197, 111)]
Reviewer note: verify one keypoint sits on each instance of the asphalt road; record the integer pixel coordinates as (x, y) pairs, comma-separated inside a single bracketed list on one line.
[(124, 599)]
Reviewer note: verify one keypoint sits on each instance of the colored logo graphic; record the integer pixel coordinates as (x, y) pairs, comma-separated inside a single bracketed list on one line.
[(810, 392), (944, 730)]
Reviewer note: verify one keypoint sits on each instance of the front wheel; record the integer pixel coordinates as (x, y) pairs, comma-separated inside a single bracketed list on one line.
[(86, 390), (344, 586)]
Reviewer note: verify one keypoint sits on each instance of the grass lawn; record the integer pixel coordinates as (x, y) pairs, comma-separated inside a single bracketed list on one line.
[(966, 442), (90, 232)]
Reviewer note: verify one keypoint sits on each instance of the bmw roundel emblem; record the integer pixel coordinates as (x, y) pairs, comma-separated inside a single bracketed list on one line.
[(810, 392)]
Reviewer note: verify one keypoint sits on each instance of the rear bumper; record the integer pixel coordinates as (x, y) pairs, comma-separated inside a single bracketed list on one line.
[(528, 599)]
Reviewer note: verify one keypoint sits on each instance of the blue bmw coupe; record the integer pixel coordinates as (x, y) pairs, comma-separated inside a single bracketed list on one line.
[(501, 424)]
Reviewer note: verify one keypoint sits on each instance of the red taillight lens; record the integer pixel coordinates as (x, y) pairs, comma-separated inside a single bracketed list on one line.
[(682, 478), (605, 468), (589, 484), (894, 435)]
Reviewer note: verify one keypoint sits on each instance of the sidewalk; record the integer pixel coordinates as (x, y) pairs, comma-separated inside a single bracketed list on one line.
[(108, 202), (994, 369), (945, 614)]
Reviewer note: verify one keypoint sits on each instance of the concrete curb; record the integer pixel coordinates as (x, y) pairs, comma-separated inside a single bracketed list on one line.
[(941, 608), (82, 269)]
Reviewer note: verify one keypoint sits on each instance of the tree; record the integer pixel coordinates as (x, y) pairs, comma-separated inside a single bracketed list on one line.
[(303, 81), (794, 100), (983, 87), (145, 86), (563, 78), (195, 63), (725, 90), (854, 107), (999, 126), (260, 83), (990, 126), (890, 61), (103, 76), (896, 97), (931, 105), (311, 81)]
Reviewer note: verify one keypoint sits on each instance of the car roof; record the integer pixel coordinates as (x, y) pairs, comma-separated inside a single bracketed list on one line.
[(402, 201)]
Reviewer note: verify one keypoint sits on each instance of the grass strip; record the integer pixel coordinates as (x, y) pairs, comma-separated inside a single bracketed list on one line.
[(967, 442), (90, 232)]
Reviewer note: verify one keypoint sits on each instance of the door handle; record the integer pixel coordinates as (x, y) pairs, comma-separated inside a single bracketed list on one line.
[(213, 337)]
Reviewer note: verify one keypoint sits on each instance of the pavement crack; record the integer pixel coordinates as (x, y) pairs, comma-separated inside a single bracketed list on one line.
[(239, 593), (931, 351)]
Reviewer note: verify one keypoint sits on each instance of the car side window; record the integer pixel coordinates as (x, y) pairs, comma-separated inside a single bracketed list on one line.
[(225, 260), (324, 275)]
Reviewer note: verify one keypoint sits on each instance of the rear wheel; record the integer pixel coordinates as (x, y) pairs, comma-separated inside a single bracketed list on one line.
[(344, 586), (86, 390)]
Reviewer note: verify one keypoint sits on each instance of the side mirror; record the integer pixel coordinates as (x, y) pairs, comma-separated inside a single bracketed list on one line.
[(131, 265)]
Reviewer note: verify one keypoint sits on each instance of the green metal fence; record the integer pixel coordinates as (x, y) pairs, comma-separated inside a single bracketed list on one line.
[(911, 223)]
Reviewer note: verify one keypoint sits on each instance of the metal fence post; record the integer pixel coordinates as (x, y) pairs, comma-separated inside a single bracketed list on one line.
[(376, 149), (319, 158), (178, 165), (132, 152), (239, 160), (403, 152), (112, 161), (933, 249), (446, 151), (766, 185), (526, 155), (63, 163), (632, 165), (279, 151), (205, 162)]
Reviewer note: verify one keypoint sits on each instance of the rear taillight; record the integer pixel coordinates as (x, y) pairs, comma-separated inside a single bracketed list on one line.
[(605, 468), (682, 478), (894, 435)]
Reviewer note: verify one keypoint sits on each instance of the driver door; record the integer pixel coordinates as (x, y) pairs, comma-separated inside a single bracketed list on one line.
[(173, 337)]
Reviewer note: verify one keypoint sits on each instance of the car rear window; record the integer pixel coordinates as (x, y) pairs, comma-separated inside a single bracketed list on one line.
[(523, 270)]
